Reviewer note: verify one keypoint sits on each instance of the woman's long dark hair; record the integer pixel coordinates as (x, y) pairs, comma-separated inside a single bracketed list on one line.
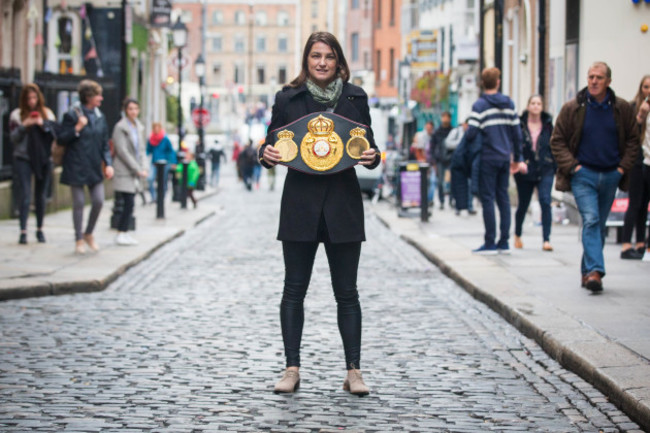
[(638, 100), (24, 106), (342, 69)]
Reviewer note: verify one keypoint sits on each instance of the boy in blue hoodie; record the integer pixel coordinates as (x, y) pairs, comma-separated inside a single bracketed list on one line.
[(494, 117)]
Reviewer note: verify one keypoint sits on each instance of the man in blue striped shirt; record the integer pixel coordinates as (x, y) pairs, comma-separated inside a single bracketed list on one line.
[(494, 117)]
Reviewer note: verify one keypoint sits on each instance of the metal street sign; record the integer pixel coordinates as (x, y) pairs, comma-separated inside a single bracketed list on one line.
[(200, 117)]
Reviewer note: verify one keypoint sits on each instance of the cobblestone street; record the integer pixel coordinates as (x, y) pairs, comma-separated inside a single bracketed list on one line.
[(189, 341)]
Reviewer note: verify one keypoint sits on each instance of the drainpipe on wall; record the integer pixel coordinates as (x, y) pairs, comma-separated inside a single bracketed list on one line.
[(541, 59)]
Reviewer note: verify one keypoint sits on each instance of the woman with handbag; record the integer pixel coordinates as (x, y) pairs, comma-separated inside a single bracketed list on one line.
[(536, 128), (319, 208), (84, 133), (31, 128), (130, 160)]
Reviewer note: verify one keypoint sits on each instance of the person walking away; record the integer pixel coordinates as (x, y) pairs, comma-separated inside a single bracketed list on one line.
[(636, 216), (216, 154), (494, 117), (439, 156), (31, 127), (460, 166), (595, 144), (193, 173), (246, 164), (324, 208), (130, 164), (536, 128), (160, 148), (84, 133)]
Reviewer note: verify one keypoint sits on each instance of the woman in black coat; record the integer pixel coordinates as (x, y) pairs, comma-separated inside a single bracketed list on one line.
[(324, 208), (536, 128), (84, 133)]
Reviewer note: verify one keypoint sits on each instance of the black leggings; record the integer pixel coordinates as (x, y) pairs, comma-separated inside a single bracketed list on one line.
[(23, 179), (637, 211), (127, 211), (344, 262)]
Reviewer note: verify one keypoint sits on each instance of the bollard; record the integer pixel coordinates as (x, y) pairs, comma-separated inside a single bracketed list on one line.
[(184, 186), (160, 188), (424, 192)]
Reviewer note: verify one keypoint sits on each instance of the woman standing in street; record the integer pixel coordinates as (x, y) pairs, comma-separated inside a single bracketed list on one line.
[(84, 133), (160, 148), (130, 162), (536, 128), (636, 215), (31, 132), (323, 208)]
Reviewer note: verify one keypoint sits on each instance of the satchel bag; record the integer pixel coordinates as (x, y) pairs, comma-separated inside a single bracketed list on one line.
[(57, 153)]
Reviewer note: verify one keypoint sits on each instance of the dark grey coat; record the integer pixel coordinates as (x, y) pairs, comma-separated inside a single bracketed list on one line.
[(82, 162), (307, 197)]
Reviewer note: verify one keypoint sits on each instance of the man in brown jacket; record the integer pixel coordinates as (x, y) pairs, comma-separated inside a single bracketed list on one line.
[(595, 145)]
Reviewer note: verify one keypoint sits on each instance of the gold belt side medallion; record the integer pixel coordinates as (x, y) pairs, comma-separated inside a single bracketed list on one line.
[(357, 144), (321, 148), (286, 146)]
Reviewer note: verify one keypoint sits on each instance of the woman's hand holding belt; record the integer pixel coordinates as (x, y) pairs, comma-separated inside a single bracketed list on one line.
[(368, 157), (271, 155)]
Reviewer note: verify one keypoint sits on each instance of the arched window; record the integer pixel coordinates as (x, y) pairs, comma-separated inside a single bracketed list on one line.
[(217, 18), (64, 43), (283, 18), (260, 18), (240, 18)]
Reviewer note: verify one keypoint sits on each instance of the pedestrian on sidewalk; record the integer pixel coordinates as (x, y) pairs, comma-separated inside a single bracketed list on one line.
[(494, 117), (321, 208), (160, 148), (216, 154), (536, 128), (595, 143), (193, 174), (84, 133), (464, 169), (130, 164), (246, 161), (439, 156), (31, 127), (636, 215)]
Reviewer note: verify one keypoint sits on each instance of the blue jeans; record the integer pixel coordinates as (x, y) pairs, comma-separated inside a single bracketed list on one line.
[(432, 184), (214, 174), (525, 190), (493, 184), (594, 193)]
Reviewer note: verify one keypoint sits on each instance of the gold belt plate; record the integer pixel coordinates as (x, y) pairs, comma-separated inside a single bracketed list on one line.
[(321, 148)]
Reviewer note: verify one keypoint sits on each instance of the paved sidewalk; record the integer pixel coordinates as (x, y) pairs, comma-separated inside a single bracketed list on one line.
[(604, 338), (53, 268)]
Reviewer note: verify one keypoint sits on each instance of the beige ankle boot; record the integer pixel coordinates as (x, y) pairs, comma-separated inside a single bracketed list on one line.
[(354, 383), (290, 382)]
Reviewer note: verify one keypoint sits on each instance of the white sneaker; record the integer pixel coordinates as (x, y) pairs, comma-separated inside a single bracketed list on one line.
[(130, 239), (646, 256), (124, 239)]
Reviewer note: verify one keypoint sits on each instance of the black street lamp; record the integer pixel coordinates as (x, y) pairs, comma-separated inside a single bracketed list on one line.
[(179, 36), (199, 69)]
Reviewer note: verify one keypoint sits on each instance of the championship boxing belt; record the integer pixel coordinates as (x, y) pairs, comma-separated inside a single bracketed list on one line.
[(321, 143)]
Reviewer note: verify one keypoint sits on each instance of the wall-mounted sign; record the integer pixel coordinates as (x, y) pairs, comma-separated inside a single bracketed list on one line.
[(161, 13)]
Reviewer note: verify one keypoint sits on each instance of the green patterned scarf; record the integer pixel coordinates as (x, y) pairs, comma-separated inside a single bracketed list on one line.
[(328, 96)]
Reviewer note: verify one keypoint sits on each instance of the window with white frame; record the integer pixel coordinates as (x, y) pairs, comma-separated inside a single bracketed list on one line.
[(283, 43), (217, 17), (260, 18), (283, 18)]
